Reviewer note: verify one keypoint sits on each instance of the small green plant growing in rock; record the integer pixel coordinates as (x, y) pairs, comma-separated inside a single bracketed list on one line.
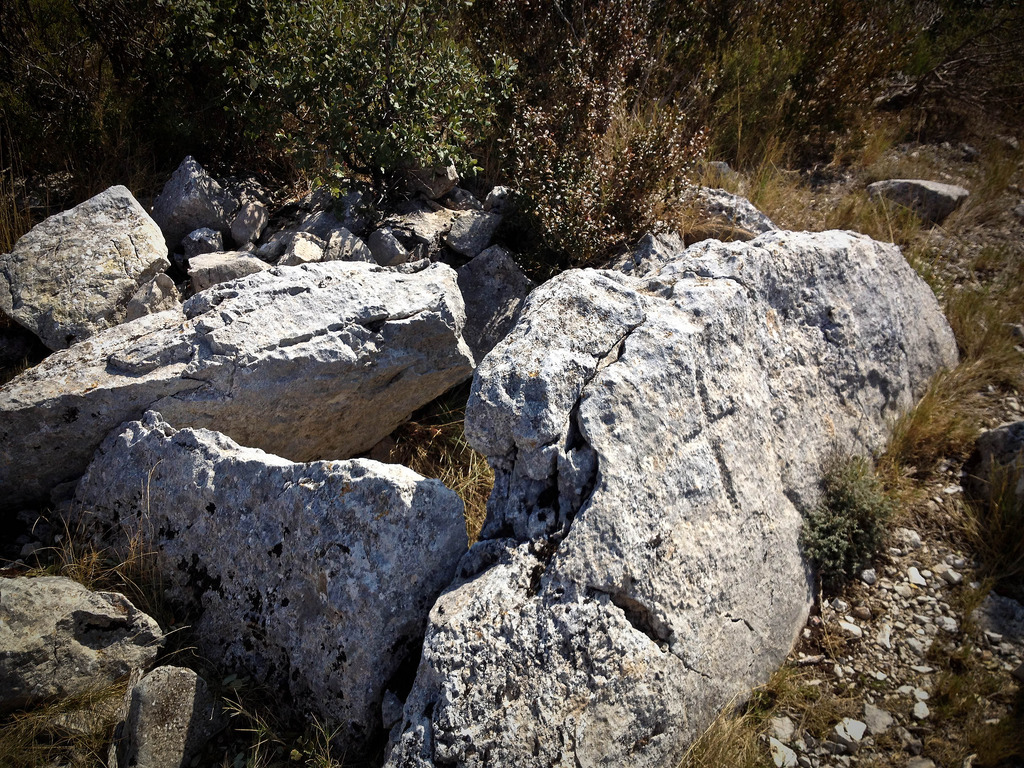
[(842, 533)]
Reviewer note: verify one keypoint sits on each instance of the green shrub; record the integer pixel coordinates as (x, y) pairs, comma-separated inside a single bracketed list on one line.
[(348, 86), (842, 534)]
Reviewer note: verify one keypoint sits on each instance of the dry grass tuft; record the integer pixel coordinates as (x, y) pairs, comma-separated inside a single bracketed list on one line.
[(434, 444), (73, 732)]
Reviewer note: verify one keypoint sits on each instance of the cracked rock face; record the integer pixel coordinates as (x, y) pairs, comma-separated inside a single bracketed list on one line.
[(58, 639), (314, 578), (654, 442), (310, 362), (72, 275)]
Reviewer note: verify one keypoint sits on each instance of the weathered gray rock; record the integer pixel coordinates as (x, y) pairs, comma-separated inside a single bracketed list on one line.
[(158, 295), (72, 275), (248, 223), (655, 250), (654, 442), (304, 248), (314, 578), (494, 289), (317, 361), (171, 715), (460, 199), (58, 639), (497, 200), (471, 232), (434, 183), (386, 248), (202, 240), (930, 200), (190, 200), (1001, 615), (737, 210), (209, 269), (345, 246), (275, 246), (995, 469), (419, 224)]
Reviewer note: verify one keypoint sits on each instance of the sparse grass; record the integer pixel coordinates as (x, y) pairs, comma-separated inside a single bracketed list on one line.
[(433, 443), (995, 527), (73, 732), (737, 737), (962, 702), (258, 740), (879, 219)]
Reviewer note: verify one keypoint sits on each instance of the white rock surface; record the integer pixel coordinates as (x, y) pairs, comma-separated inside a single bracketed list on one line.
[(318, 361), (653, 444), (72, 275), (209, 269), (59, 639), (314, 578)]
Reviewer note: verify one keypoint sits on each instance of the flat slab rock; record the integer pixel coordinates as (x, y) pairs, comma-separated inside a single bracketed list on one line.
[(309, 362), (73, 275), (314, 578), (931, 200), (59, 639), (653, 443)]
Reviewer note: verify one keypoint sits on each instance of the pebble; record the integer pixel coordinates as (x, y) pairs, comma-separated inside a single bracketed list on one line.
[(946, 624), (921, 711), (782, 728), (920, 762), (783, 756), (849, 733), (914, 576), (862, 612), (952, 577), (921, 694), (877, 720), (884, 635), (852, 630), (869, 577)]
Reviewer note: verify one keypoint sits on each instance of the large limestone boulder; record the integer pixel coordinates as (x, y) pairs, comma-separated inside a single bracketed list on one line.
[(59, 639), (309, 362), (72, 275), (190, 200), (654, 443), (314, 578)]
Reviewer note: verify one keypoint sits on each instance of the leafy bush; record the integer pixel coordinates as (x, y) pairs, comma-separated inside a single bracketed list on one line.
[(842, 534), (347, 86)]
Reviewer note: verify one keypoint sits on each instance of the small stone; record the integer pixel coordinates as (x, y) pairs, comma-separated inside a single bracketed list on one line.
[(910, 743), (921, 694), (946, 624), (783, 756), (952, 577), (849, 732), (921, 711), (878, 721), (909, 538), (914, 576), (840, 606), (883, 638), (782, 728), (869, 577), (862, 612), (851, 630), (920, 762), (916, 645), (903, 589), (922, 670)]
